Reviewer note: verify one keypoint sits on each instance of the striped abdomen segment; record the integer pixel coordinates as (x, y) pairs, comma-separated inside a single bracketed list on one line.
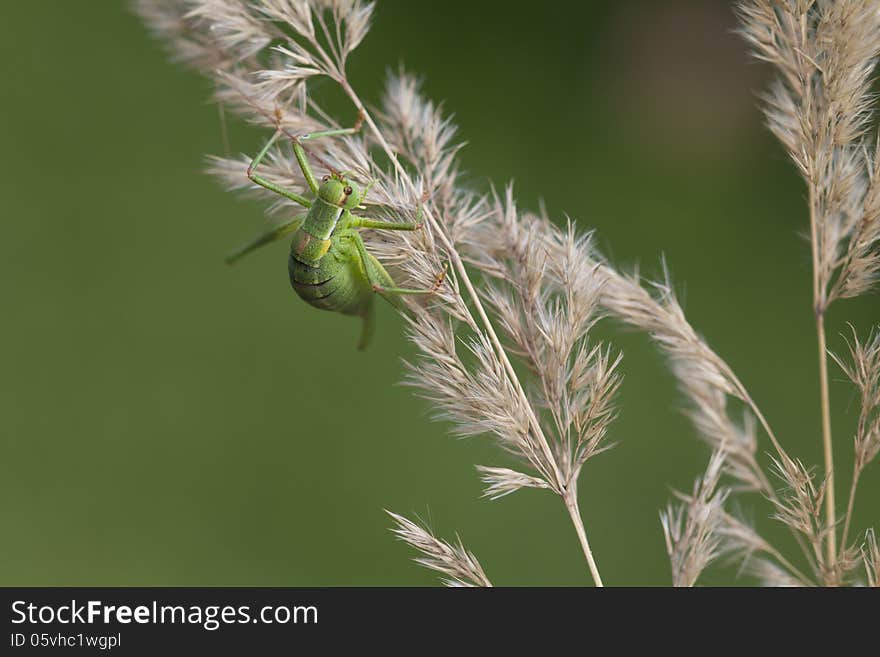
[(329, 285), (310, 272), (315, 285)]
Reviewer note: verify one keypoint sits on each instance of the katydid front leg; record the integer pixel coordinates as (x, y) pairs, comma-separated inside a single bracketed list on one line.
[(303, 159), (272, 187)]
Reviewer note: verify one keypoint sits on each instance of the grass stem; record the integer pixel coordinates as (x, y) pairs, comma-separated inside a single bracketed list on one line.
[(571, 504)]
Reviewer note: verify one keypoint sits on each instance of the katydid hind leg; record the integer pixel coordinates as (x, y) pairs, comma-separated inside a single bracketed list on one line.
[(266, 238), (272, 187), (384, 285), (380, 280)]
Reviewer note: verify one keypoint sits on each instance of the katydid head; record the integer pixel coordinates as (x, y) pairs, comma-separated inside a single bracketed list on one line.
[(340, 191)]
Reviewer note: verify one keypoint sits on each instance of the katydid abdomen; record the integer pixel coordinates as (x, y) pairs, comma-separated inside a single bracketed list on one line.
[(333, 281)]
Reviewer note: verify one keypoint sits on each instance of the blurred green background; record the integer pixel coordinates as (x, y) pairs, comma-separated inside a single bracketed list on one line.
[(163, 422)]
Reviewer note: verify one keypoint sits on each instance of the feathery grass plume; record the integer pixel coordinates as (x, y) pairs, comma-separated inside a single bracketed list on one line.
[(741, 544), (820, 106), (262, 55), (864, 372), (459, 566), (504, 481), (769, 573), (710, 385), (800, 507), (691, 527), (168, 20), (542, 286), (705, 379), (871, 557)]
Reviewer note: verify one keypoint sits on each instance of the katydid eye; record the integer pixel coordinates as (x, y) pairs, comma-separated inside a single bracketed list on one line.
[(325, 178), (347, 190)]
